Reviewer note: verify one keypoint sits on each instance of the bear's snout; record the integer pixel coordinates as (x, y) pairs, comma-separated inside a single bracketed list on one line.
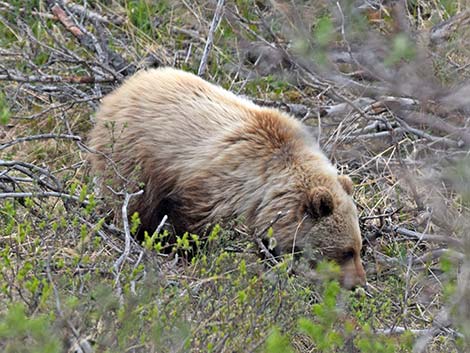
[(353, 274)]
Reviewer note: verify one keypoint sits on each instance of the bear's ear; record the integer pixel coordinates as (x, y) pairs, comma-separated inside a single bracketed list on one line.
[(320, 202), (346, 183)]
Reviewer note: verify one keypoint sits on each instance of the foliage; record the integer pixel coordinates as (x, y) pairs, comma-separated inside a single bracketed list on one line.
[(16, 328)]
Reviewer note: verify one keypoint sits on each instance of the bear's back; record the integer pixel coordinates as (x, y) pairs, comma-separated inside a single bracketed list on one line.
[(165, 114), (161, 101)]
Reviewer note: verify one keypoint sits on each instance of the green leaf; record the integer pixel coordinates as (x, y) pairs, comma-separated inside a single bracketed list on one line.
[(403, 49), (324, 31), (277, 343)]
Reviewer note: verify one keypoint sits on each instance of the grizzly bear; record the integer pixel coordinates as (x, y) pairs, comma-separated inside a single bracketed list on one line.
[(204, 156)]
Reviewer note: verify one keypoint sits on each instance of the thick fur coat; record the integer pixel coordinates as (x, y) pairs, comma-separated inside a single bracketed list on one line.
[(204, 155)]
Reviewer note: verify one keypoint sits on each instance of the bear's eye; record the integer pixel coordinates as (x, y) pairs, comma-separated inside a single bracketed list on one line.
[(347, 255)]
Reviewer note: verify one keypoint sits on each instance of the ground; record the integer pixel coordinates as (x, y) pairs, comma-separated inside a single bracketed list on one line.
[(384, 85)]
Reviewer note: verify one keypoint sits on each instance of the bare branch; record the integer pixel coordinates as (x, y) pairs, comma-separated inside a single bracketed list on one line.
[(210, 37), (127, 247), (9, 76), (39, 137), (5, 195), (162, 224)]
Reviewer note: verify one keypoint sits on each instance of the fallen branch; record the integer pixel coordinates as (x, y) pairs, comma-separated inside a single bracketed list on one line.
[(437, 253), (443, 141), (55, 78), (427, 332), (436, 123), (393, 103), (39, 137), (299, 110), (432, 238), (444, 30), (374, 135), (92, 15), (400, 330), (5, 195), (345, 108), (67, 22)]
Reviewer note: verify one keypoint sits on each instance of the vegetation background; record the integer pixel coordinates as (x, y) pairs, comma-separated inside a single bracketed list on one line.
[(384, 85)]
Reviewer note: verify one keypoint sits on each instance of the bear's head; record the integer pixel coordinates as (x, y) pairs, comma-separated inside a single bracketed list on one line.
[(327, 228)]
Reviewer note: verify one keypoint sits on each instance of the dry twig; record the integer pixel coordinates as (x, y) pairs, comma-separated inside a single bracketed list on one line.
[(210, 37), (39, 137), (127, 247)]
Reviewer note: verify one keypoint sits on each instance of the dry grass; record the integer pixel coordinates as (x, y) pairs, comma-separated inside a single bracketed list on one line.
[(386, 89)]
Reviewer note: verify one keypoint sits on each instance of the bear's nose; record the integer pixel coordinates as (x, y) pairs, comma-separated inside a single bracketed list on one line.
[(360, 283), (353, 274)]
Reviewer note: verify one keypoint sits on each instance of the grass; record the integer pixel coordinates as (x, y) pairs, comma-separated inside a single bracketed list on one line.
[(59, 286)]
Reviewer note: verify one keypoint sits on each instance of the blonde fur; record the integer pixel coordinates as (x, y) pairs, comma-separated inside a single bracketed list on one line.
[(205, 155)]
